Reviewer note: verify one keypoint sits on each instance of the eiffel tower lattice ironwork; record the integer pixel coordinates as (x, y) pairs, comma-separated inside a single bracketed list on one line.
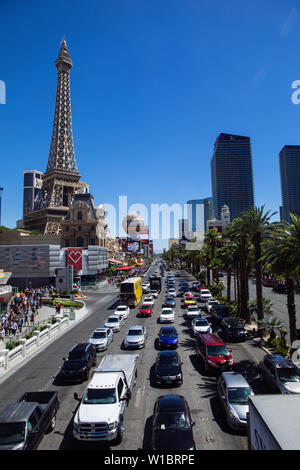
[(61, 180)]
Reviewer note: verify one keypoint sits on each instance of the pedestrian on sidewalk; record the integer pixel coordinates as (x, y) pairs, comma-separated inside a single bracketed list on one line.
[(14, 327), (32, 319), (6, 327), (26, 321), (20, 324)]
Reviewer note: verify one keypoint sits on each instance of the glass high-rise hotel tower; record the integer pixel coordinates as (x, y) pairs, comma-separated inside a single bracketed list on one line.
[(231, 175), (289, 162)]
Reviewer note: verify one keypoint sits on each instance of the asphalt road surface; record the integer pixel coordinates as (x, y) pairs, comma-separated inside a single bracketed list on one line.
[(210, 431)]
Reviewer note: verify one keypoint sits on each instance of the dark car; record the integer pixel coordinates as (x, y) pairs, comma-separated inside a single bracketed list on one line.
[(233, 329), (184, 289), (279, 287), (168, 368), (172, 426), (168, 337), (219, 312), (169, 301), (280, 374), (79, 362)]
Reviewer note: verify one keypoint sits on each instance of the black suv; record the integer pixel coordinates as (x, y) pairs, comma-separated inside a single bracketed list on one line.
[(79, 362), (233, 329)]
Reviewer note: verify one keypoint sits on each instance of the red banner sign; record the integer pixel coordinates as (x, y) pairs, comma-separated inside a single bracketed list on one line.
[(74, 257)]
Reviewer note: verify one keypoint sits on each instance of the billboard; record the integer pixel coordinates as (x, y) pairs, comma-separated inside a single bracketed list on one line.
[(74, 258), (133, 246)]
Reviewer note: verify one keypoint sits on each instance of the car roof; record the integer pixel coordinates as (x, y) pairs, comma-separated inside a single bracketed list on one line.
[(18, 411), (211, 339), (280, 361), (171, 403), (234, 379)]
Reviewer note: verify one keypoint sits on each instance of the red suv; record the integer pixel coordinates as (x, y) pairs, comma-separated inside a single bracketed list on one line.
[(146, 310), (213, 352)]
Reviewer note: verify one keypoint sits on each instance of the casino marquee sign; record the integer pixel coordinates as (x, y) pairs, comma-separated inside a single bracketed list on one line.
[(74, 258)]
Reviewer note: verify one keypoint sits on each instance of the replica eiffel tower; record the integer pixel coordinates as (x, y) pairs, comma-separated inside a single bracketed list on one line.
[(61, 181)]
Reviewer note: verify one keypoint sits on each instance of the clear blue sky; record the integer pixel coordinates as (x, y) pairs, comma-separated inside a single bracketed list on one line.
[(153, 83)]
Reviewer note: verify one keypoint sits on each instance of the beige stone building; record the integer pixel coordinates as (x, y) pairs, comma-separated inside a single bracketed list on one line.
[(84, 224)]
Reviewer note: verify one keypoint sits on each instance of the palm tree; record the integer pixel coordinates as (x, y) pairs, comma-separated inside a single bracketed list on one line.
[(237, 233), (205, 256), (282, 254), (257, 225), (226, 254), (212, 238)]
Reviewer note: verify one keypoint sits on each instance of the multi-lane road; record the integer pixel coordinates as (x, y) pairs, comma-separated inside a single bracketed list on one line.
[(210, 431)]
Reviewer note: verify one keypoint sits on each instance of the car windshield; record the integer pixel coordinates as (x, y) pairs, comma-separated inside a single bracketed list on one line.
[(217, 350), (12, 433), (99, 334), (193, 309), (236, 326), (112, 320), (239, 395), (135, 332), (172, 421), (288, 374), (168, 360), (169, 299), (168, 333), (167, 312), (104, 396), (121, 309), (145, 306), (201, 322)]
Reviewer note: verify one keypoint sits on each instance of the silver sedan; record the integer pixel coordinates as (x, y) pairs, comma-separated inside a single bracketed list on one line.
[(101, 338), (135, 338)]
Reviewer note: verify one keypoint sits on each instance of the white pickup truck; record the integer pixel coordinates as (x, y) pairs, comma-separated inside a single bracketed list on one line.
[(101, 411)]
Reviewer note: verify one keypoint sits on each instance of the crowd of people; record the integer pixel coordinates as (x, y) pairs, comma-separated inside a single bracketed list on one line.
[(23, 310)]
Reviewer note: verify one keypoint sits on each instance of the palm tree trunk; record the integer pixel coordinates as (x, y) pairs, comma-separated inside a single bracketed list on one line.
[(228, 284), (208, 276), (244, 310), (258, 274), (290, 290)]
